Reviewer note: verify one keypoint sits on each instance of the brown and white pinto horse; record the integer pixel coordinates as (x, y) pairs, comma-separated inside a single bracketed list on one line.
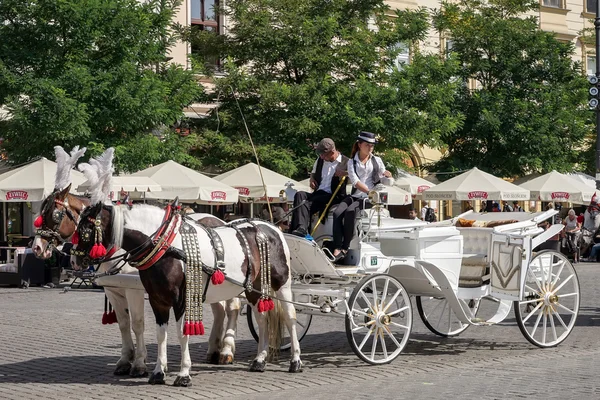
[(166, 284), (60, 213)]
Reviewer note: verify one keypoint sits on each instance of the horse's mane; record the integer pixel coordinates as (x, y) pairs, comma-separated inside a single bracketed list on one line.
[(141, 217)]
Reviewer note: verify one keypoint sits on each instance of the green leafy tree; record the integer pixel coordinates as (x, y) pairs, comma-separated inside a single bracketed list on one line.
[(528, 112), (92, 72), (300, 70)]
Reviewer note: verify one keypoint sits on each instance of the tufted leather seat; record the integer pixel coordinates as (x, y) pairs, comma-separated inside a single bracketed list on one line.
[(476, 247)]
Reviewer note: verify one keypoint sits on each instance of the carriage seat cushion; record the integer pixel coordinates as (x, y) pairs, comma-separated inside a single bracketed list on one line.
[(10, 268), (476, 243)]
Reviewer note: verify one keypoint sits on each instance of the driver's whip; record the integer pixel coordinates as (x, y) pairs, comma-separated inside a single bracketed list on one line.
[(337, 189)]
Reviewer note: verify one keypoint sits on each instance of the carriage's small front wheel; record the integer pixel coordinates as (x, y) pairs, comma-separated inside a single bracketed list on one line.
[(547, 313), (438, 317), (303, 322), (378, 319)]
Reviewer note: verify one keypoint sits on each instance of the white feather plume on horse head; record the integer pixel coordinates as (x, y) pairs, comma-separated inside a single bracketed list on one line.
[(99, 173), (65, 164)]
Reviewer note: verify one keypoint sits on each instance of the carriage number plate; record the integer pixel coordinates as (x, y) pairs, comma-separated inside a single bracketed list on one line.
[(373, 260)]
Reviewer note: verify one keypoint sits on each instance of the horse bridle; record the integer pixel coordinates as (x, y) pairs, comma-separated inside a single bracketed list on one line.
[(52, 235)]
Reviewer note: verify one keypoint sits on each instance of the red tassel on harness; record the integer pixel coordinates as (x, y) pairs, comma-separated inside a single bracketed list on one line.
[(199, 328), (187, 327), (98, 251), (261, 306), (112, 317), (38, 222), (217, 278), (75, 238), (105, 318), (270, 304)]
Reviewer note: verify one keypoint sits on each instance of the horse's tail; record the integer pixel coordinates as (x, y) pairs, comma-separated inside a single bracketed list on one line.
[(275, 325), (180, 301)]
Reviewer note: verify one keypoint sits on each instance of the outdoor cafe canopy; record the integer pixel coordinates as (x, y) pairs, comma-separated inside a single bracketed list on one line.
[(411, 183), (248, 181), (476, 185), (127, 183), (187, 184), (555, 186), (33, 182)]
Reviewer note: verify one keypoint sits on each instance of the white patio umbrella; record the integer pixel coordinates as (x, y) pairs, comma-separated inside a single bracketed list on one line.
[(33, 182), (396, 196), (127, 183), (476, 185), (555, 186), (412, 183), (250, 186), (187, 184)]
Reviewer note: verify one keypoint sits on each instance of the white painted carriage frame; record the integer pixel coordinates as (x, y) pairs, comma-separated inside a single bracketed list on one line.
[(425, 260)]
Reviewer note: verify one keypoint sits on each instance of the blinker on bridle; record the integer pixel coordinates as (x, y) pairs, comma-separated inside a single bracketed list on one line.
[(53, 236)]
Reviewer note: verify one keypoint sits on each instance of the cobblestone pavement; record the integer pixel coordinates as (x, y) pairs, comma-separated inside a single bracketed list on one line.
[(53, 346)]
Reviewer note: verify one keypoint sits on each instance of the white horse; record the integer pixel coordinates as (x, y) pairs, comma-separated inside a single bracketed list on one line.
[(165, 280)]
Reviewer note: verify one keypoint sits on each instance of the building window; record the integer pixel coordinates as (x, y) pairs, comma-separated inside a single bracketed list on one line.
[(403, 56), (449, 45), (553, 3), (205, 18), (591, 65), (590, 6), (204, 14)]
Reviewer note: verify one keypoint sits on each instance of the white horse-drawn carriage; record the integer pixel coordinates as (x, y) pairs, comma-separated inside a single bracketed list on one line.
[(449, 266)]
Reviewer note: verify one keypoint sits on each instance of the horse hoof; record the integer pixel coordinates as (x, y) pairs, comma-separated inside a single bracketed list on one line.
[(157, 378), (226, 359), (183, 381), (123, 369), (258, 366), (213, 358), (138, 372), (295, 366)]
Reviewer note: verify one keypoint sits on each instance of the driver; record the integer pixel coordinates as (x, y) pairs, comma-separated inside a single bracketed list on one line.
[(365, 170)]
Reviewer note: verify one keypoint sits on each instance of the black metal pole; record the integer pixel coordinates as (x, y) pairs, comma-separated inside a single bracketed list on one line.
[(597, 26)]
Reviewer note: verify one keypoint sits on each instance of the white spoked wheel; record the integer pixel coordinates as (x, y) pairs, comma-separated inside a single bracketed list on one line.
[(438, 317), (302, 324), (547, 313), (378, 319)]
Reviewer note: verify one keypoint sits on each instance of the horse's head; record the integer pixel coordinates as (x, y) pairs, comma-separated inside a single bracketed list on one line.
[(94, 235), (57, 221)]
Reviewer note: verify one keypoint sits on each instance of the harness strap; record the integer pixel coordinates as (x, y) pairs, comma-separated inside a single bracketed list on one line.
[(248, 280), (160, 246)]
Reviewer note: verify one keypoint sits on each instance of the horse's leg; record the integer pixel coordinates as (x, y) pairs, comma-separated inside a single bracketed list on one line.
[(119, 304), (135, 300), (259, 363), (232, 309), (162, 319), (183, 377), (216, 333), (289, 316)]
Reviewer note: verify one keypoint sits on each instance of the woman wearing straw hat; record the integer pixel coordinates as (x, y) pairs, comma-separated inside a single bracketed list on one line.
[(365, 170)]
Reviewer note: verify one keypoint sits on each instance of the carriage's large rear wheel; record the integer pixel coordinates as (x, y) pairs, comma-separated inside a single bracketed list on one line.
[(378, 319), (438, 317), (547, 313), (302, 324)]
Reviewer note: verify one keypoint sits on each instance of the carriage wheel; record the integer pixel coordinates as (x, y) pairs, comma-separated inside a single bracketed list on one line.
[(438, 317), (303, 322), (378, 319), (547, 313)]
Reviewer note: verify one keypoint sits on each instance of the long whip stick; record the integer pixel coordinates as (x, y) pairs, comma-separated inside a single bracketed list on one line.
[(255, 154), (337, 189)]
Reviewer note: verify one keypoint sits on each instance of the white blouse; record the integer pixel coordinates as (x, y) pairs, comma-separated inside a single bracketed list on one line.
[(364, 173)]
